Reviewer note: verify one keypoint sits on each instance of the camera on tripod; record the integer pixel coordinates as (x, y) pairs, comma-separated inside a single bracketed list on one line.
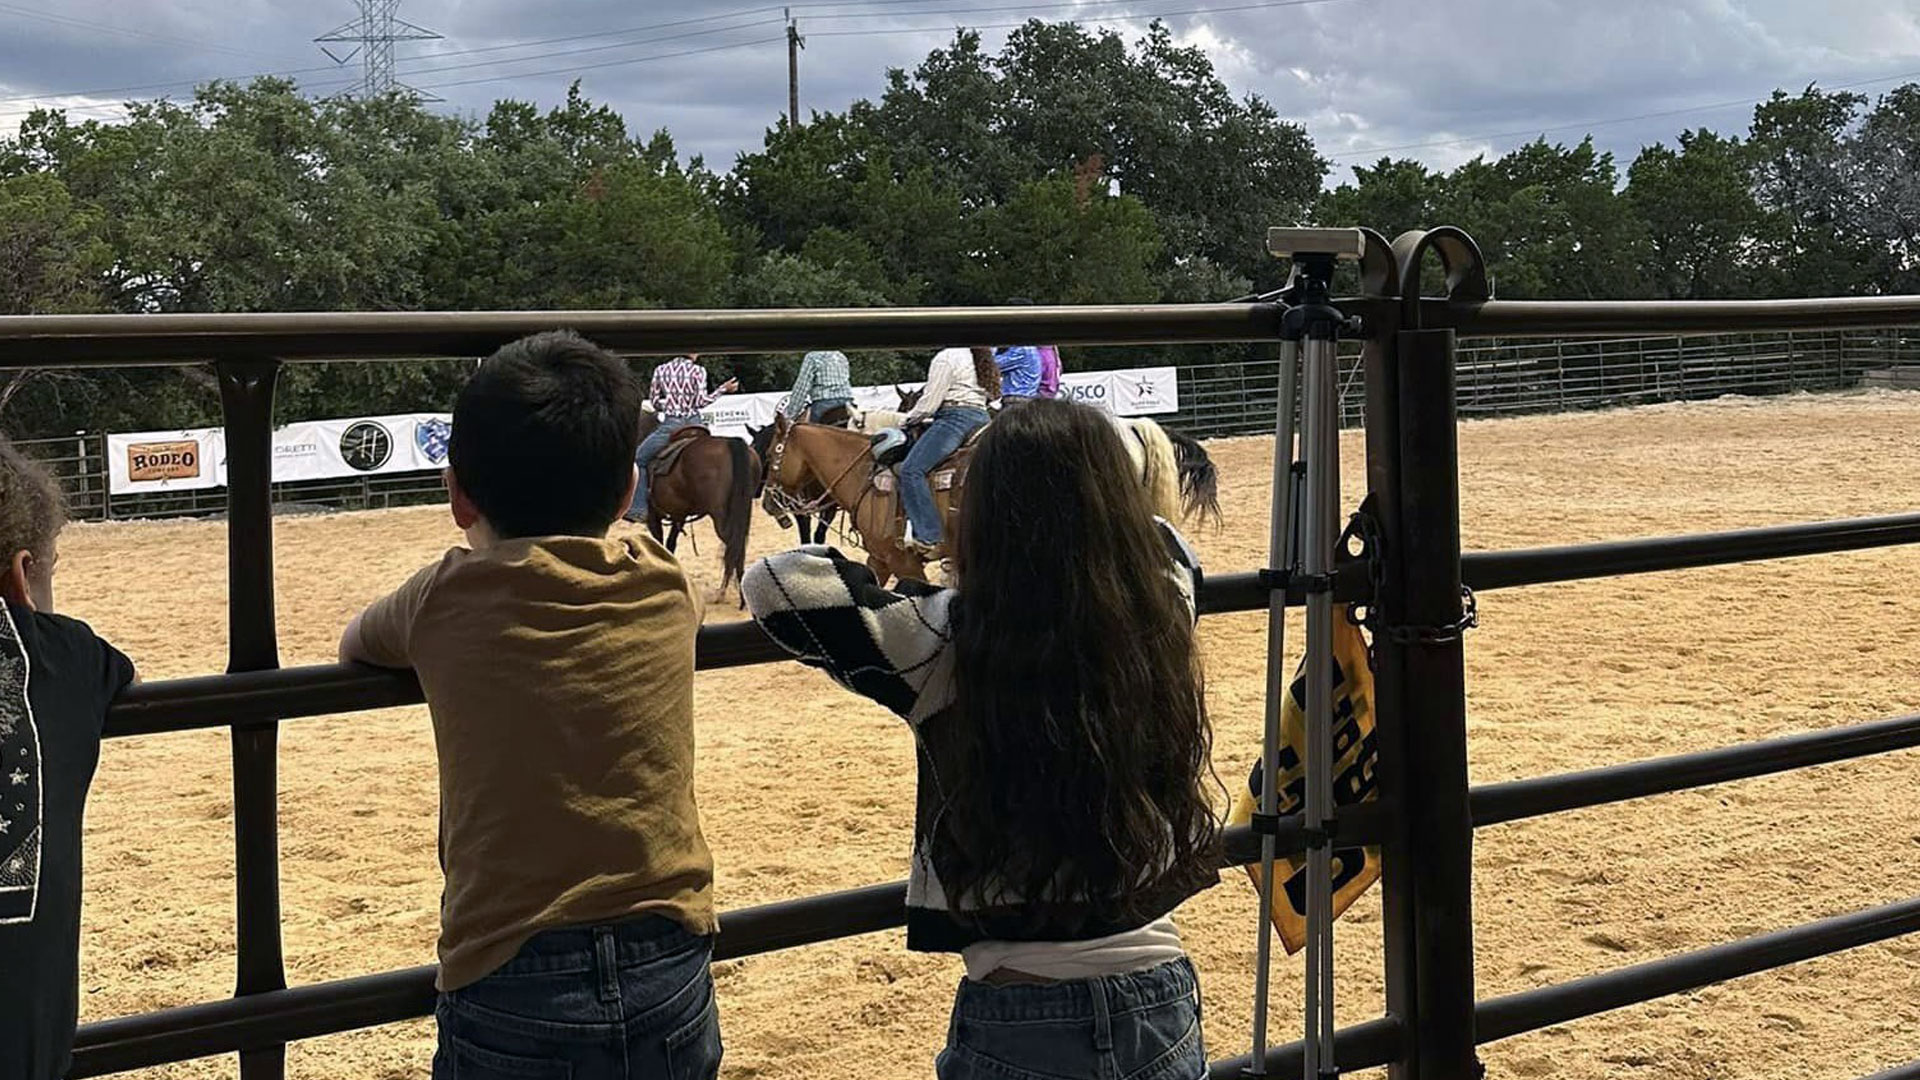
[(1301, 243)]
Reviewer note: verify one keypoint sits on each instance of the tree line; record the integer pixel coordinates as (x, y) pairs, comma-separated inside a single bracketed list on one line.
[(1067, 167)]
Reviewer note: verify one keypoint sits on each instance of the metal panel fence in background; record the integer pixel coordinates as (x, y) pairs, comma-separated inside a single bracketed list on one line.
[(1499, 378), (1495, 378)]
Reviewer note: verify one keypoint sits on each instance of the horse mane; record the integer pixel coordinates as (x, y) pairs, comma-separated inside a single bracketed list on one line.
[(1199, 478), (1153, 455)]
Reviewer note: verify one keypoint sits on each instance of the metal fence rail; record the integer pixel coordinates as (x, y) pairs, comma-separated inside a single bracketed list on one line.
[(1425, 815)]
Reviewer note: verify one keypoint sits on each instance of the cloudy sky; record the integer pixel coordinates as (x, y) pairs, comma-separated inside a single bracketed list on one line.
[(1441, 80)]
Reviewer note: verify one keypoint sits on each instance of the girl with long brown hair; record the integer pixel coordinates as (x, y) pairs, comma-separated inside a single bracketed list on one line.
[(1056, 699)]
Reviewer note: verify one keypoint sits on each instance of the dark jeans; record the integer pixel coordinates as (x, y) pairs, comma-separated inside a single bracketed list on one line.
[(650, 448), (822, 407), (951, 426), (1140, 1026), (632, 1001)]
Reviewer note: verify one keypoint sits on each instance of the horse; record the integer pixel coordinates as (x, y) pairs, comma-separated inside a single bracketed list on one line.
[(762, 440), (711, 477), (1182, 479), (839, 463)]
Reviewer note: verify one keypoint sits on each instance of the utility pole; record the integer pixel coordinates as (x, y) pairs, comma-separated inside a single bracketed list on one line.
[(794, 44)]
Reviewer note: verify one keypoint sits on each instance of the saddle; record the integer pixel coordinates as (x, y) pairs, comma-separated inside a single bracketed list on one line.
[(678, 441), (949, 474)]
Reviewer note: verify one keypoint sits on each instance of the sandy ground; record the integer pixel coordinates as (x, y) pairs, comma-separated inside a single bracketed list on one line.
[(806, 789)]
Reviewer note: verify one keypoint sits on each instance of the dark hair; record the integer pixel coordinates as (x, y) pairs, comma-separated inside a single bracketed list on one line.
[(32, 510), (1075, 763), (544, 435), (986, 371)]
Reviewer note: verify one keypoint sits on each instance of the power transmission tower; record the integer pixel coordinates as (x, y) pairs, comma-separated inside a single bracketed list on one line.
[(373, 35)]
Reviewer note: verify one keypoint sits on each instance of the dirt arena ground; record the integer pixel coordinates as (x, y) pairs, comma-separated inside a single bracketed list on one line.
[(806, 789)]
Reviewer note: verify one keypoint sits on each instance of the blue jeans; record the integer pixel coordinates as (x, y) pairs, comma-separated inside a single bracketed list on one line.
[(824, 406), (631, 1001), (650, 448), (1141, 1026), (951, 426)]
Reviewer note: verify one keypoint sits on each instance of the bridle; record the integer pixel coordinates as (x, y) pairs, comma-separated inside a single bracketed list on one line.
[(782, 501)]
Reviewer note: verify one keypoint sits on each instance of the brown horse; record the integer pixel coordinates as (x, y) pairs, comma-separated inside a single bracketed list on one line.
[(711, 477), (813, 457)]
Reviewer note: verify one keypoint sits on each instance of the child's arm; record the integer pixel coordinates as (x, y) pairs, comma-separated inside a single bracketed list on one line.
[(829, 613), (379, 635)]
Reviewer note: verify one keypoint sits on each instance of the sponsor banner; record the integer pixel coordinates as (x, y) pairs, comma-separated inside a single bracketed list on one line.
[(158, 461), (1145, 391), (166, 460)]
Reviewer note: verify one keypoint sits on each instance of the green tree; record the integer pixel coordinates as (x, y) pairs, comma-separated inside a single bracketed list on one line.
[(52, 254), (1057, 243), (1700, 216), (1805, 183), (1887, 166)]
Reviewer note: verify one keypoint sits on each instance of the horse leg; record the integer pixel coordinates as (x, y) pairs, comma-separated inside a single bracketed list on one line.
[(673, 537), (805, 524), (826, 519)]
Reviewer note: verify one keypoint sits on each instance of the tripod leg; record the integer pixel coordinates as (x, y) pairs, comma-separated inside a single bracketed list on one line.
[(1320, 532), (1280, 547)]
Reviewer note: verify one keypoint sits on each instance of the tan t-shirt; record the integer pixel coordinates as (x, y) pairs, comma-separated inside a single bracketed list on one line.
[(559, 672)]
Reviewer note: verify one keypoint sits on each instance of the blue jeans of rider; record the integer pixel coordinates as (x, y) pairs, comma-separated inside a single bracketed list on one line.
[(951, 426), (1144, 1025), (824, 406), (650, 448), (631, 1001)]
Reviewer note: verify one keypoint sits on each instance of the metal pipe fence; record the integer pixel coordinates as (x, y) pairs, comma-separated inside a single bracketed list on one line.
[(1425, 813)]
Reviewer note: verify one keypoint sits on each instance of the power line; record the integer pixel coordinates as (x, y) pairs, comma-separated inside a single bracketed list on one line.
[(410, 72), (96, 92), (148, 35), (1589, 124), (1091, 18), (605, 63)]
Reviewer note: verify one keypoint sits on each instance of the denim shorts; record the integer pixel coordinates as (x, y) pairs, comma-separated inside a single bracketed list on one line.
[(1144, 1025), (628, 1001)]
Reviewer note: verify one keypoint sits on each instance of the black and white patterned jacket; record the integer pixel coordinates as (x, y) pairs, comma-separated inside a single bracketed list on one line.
[(893, 646)]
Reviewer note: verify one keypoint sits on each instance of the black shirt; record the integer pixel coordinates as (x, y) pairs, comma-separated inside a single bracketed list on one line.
[(56, 679)]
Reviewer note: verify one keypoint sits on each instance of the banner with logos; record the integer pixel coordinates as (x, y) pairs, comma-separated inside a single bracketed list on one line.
[(159, 461), (149, 462)]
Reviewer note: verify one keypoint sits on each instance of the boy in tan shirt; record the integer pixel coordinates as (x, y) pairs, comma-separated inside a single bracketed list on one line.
[(577, 919)]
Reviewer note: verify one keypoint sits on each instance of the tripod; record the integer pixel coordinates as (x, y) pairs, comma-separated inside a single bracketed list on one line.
[(1301, 546)]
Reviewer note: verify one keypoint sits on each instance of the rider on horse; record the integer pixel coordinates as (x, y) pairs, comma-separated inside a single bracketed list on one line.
[(823, 386), (678, 392), (960, 384)]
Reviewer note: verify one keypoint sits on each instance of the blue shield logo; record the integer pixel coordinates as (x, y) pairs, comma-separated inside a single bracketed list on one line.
[(431, 437)]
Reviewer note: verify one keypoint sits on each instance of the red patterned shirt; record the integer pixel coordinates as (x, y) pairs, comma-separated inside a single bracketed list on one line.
[(679, 388)]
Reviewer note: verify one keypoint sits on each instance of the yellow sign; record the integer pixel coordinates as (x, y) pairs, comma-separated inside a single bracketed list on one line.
[(1356, 758)]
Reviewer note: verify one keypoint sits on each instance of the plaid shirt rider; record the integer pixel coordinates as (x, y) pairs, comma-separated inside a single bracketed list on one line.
[(679, 388)]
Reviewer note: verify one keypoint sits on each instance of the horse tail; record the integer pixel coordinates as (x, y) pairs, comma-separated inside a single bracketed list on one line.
[(1159, 469), (1199, 479), (739, 513)]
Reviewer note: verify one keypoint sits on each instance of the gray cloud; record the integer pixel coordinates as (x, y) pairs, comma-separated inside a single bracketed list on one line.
[(1448, 79)]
